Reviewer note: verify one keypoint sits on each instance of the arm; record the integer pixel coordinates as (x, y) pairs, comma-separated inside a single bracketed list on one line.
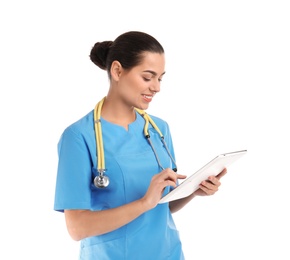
[(206, 188), (86, 223)]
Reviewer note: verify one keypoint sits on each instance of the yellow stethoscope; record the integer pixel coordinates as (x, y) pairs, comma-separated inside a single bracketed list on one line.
[(101, 180)]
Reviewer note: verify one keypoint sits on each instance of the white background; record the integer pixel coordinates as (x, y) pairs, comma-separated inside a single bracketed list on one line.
[(226, 88)]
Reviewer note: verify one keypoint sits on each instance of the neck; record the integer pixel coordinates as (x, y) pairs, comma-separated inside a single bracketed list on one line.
[(117, 112)]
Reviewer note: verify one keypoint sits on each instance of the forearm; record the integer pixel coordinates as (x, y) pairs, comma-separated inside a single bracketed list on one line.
[(86, 223), (176, 205)]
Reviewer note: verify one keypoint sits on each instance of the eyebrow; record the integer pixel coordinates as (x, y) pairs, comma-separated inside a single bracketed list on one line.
[(153, 72)]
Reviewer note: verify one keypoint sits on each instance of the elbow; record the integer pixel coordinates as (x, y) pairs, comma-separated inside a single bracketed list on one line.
[(74, 224), (75, 234), (79, 224)]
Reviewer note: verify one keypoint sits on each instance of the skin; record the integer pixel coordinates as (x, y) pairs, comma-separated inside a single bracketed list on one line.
[(128, 89)]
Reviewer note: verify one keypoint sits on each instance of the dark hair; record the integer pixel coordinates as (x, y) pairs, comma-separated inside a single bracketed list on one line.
[(128, 49)]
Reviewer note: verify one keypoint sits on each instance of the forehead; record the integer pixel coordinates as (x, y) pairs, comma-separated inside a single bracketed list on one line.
[(152, 61)]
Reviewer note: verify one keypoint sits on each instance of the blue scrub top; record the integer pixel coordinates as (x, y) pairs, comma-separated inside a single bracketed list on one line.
[(130, 164)]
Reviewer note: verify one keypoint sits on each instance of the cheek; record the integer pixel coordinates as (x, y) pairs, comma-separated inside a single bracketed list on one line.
[(135, 84)]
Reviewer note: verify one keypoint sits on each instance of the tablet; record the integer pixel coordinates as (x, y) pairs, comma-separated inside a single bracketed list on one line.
[(191, 183)]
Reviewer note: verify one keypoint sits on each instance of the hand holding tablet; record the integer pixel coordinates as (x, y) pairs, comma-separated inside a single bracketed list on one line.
[(213, 167)]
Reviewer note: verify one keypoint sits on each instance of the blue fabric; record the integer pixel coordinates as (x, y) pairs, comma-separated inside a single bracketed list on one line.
[(130, 164)]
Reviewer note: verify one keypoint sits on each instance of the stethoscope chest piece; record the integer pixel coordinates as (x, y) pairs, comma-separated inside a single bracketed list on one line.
[(101, 181)]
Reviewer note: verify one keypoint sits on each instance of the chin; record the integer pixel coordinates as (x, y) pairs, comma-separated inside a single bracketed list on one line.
[(144, 107)]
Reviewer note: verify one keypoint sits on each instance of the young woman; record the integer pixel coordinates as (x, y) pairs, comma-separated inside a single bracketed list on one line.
[(112, 171)]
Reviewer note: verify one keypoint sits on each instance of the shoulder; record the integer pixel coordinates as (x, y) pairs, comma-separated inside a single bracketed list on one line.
[(158, 119), (161, 123), (81, 126)]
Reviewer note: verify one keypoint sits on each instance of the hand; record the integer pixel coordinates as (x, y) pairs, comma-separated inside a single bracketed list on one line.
[(157, 185), (211, 185)]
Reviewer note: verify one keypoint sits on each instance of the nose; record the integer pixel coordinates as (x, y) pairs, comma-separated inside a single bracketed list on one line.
[(155, 87)]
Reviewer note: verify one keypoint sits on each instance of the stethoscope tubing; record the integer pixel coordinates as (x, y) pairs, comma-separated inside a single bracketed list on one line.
[(99, 139)]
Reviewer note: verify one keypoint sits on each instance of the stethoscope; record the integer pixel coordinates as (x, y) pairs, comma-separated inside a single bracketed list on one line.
[(101, 180)]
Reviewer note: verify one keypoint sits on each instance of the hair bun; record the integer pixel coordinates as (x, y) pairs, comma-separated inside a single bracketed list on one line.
[(99, 53)]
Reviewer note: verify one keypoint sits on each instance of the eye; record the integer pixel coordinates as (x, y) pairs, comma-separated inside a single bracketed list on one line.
[(146, 79)]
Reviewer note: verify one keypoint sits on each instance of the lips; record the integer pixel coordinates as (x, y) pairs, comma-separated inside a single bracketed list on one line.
[(148, 98)]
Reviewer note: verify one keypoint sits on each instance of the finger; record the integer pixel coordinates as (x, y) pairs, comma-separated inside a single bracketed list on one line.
[(214, 180), (169, 183), (181, 176), (169, 180), (206, 190), (166, 178), (209, 185), (222, 173), (171, 175)]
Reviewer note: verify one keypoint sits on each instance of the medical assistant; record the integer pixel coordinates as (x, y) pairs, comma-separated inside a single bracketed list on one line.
[(130, 164)]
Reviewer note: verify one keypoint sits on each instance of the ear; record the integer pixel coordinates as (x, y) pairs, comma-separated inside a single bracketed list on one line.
[(116, 70)]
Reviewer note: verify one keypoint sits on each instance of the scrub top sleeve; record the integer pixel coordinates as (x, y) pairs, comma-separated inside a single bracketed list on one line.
[(74, 173)]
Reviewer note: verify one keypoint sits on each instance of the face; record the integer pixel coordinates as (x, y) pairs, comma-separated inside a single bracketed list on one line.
[(138, 85)]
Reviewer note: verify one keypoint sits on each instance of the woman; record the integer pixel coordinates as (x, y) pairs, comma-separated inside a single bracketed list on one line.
[(111, 205)]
